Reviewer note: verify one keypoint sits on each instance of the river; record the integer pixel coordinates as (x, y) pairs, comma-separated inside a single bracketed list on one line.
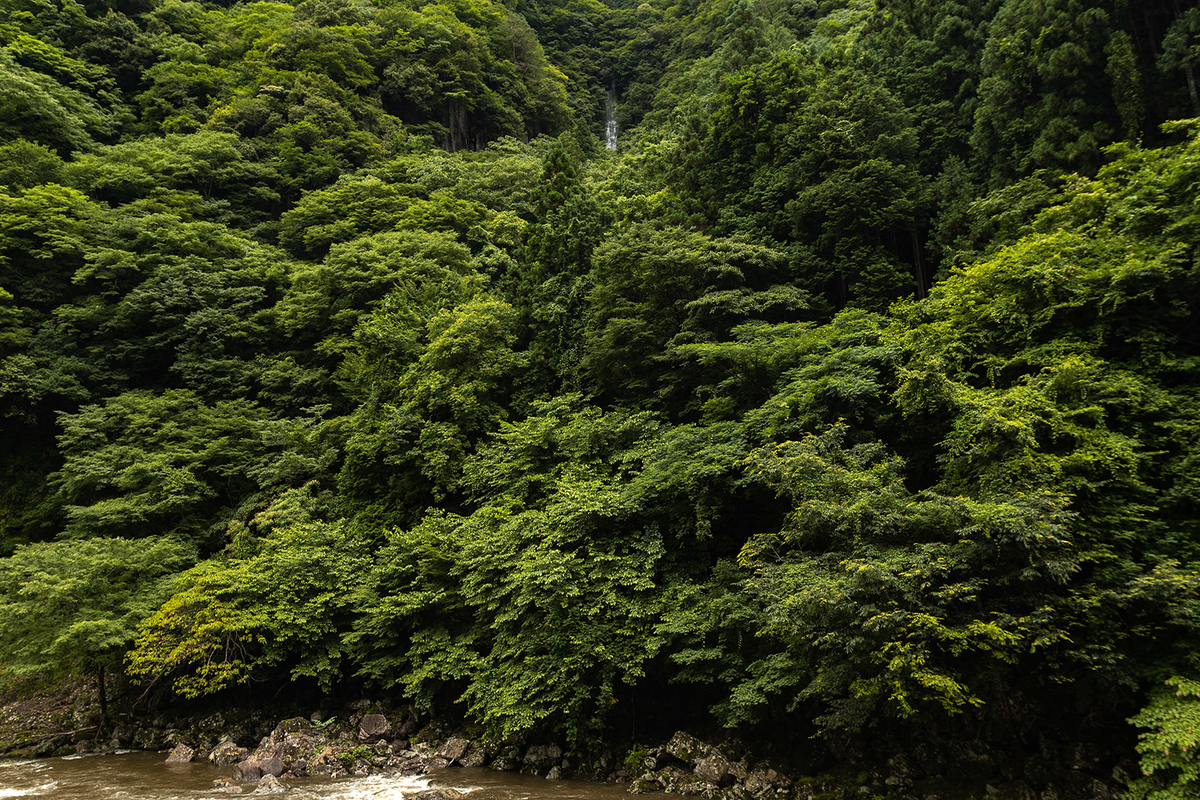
[(145, 776)]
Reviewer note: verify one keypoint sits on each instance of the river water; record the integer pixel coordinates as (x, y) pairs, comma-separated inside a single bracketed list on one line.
[(145, 776)]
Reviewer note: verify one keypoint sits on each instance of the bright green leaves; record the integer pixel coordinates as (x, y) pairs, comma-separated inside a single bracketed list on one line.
[(283, 607), (544, 597), (420, 272), (73, 607), (548, 617), (1171, 719), (43, 107)]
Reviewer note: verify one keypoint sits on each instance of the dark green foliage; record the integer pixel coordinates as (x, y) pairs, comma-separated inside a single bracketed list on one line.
[(854, 395), (823, 165)]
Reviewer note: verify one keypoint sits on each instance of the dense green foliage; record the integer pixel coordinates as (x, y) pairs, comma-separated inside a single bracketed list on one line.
[(858, 389)]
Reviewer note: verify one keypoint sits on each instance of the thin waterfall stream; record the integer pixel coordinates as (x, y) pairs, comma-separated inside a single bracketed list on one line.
[(610, 117)]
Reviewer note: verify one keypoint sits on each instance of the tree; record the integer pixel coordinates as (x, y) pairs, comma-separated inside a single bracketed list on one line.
[(280, 604), (74, 607)]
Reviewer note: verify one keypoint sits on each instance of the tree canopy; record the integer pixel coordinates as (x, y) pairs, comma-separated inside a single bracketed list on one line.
[(851, 404)]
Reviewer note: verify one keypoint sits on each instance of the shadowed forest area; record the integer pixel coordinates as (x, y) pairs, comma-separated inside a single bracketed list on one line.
[(850, 405)]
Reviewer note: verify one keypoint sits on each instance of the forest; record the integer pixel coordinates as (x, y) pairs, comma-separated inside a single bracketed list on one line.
[(849, 404)]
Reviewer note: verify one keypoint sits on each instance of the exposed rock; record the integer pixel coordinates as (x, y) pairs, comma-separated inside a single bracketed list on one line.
[(687, 748), (373, 727), (182, 754), (246, 772), (227, 754), (294, 725), (543, 756), (410, 725), (406, 762), (325, 762), (454, 749), (273, 767), (677, 780), (270, 785), (715, 768), (300, 768), (476, 756), (508, 759), (554, 774), (437, 794)]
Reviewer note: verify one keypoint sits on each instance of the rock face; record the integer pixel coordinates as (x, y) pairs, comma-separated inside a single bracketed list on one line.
[(182, 754)]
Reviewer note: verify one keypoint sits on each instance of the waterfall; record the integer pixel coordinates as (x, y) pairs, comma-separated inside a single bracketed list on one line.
[(610, 117)]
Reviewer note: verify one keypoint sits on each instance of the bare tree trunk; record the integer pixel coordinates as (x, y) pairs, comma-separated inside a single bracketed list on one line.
[(1191, 78), (103, 696), (1188, 71), (922, 283)]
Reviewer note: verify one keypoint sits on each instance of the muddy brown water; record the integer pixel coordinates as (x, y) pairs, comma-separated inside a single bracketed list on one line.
[(145, 776)]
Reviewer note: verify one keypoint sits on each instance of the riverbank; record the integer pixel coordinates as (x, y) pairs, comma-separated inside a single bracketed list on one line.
[(366, 737)]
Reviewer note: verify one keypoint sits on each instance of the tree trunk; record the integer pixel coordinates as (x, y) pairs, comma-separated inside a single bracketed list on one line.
[(1191, 79), (103, 697)]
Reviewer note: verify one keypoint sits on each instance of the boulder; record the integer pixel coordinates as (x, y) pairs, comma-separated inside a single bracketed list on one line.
[(182, 754), (437, 794), (687, 748), (273, 767), (226, 754), (291, 740), (454, 749), (406, 762), (508, 759), (679, 781), (246, 772), (294, 725), (715, 768), (476, 756), (325, 762), (270, 785), (373, 727)]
